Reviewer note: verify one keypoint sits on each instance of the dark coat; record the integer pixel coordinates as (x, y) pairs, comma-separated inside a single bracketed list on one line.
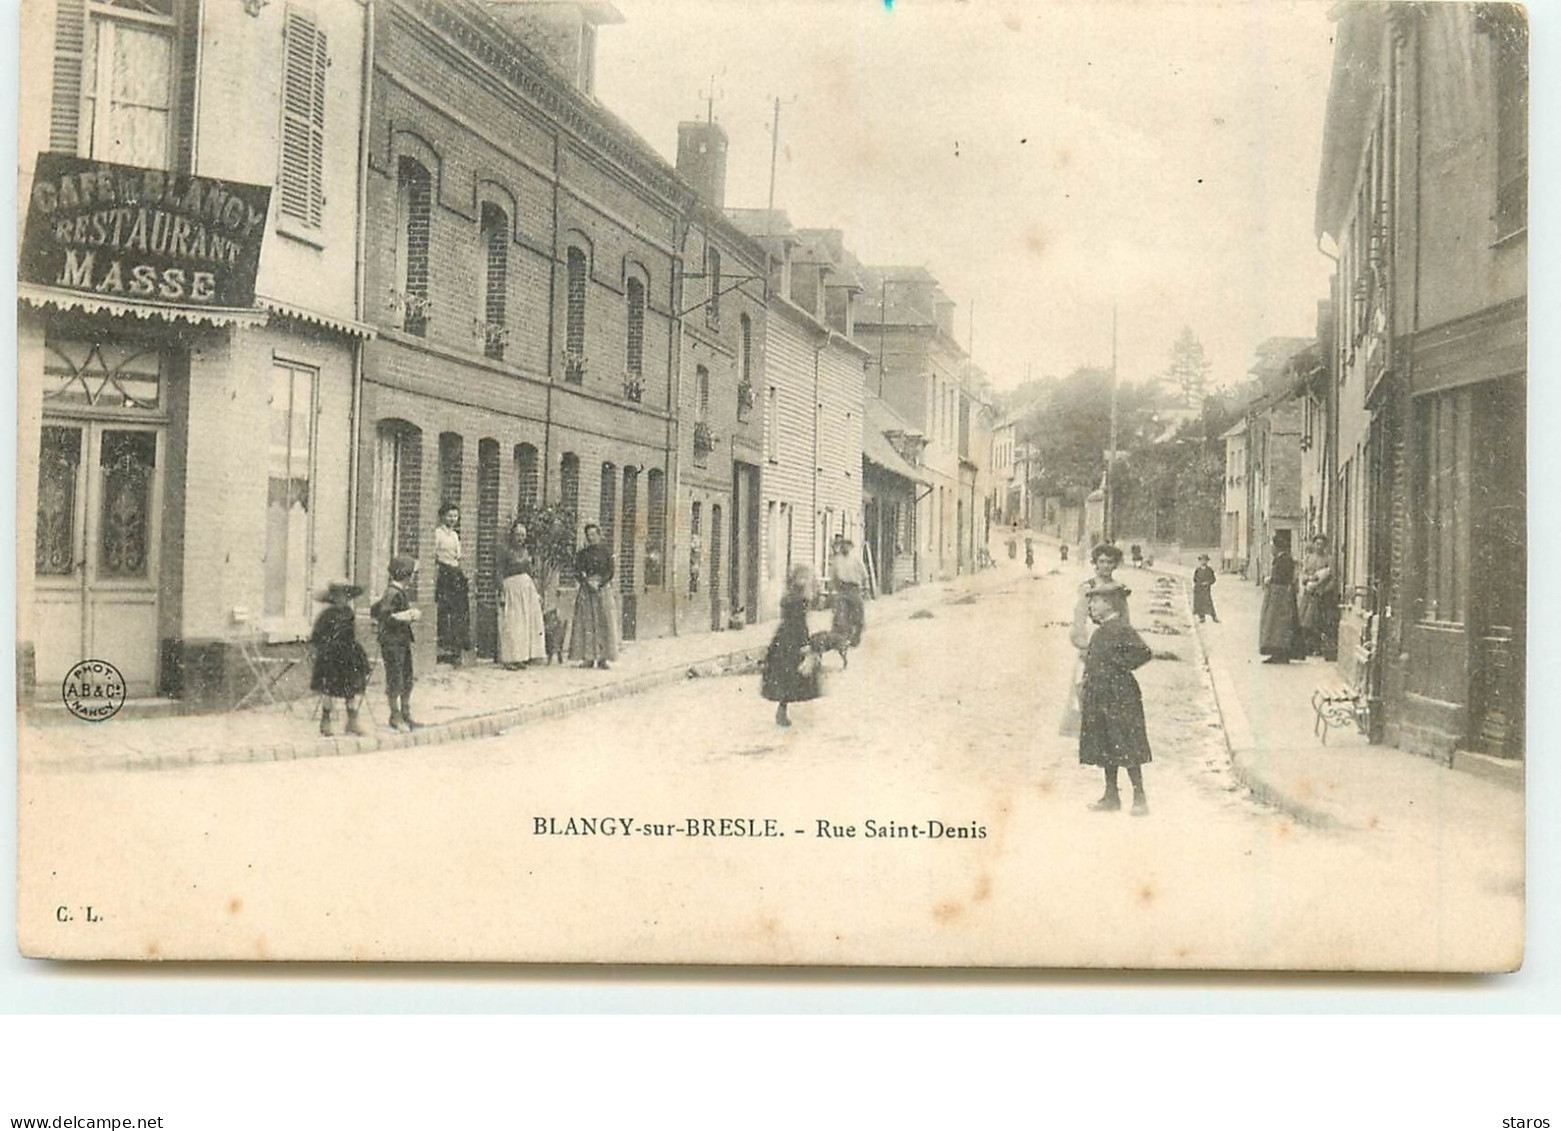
[(341, 667), (392, 633), (1111, 707), (1279, 625), (1202, 592), (786, 678)]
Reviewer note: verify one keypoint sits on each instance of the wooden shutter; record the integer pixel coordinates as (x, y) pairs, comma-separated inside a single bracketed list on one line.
[(70, 27), (301, 188)]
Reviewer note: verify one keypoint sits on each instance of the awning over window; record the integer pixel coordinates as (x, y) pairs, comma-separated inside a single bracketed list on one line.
[(315, 318)]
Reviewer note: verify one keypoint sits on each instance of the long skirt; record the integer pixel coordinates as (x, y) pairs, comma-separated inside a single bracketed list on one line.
[(1279, 624), (520, 621), (1203, 602), (593, 631), (790, 674), (850, 620), (452, 599)]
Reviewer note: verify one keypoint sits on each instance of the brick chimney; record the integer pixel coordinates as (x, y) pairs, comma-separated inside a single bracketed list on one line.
[(702, 160), (561, 31)]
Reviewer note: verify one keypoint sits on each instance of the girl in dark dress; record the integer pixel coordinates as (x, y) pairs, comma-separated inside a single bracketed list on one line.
[(1279, 625), (1203, 591), (1111, 707), (593, 633), (341, 667), (791, 670)]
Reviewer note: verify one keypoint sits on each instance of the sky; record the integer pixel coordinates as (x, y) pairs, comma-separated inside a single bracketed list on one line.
[(1046, 161)]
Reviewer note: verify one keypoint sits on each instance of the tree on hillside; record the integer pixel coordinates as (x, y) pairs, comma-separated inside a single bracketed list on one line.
[(1189, 368)]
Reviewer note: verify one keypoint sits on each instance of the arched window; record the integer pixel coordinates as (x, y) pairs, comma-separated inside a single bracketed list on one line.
[(487, 584), (413, 234), (607, 508), (398, 485), (451, 465), (494, 250), (655, 528), (574, 316), (634, 359), (569, 485), (526, 479), (713, 278), (745, 394)]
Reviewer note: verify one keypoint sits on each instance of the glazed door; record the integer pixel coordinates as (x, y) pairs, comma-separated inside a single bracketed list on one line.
[(99, 509)]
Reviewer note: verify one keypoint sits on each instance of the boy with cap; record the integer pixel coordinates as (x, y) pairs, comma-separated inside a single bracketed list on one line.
[(394, 615)]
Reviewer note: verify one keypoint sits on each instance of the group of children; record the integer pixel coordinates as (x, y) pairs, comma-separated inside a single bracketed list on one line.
[(341, 667)]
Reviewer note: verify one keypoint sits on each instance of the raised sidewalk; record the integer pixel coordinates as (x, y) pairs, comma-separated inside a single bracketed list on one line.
[(451, 705)]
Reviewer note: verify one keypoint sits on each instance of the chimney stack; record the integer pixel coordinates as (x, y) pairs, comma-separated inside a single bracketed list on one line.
[(702, 160)]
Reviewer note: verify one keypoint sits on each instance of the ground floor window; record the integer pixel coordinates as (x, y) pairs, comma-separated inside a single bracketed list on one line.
[(289, 476), (398, 477), (1442, 423)]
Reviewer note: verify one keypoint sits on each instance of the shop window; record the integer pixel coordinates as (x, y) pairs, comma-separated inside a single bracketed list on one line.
[(1443, 423)]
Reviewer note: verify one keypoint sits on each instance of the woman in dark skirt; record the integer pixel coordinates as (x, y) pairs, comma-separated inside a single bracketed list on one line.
[(1279, 625), (341, 667), (452, 593), (593, 633), (1203, 591), (1111, 707), (791, 670)]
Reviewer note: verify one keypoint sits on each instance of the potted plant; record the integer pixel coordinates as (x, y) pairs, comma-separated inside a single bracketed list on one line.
[(551, 537)]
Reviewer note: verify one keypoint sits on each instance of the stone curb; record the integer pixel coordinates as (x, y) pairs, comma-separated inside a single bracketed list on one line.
[(466, 727), (1234, 726)]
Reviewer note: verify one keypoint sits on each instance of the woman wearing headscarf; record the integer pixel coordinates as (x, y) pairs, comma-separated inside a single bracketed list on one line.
[(521, 637)]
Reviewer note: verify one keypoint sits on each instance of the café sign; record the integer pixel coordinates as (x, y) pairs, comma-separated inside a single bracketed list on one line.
[(143, 235)]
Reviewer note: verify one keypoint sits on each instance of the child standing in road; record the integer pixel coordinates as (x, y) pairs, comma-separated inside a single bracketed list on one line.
[(341, 669), (791, 668), (1111, 706), (394, 615)]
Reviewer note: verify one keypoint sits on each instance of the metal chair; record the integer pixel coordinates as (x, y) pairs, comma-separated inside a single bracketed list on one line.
[(265, 671)]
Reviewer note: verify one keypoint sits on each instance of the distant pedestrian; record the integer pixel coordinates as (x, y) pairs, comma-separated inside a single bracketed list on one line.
[(452, 592), (1279, 624), (394, 616), (1202, 591), (1029, 553), (1319, 603), (593, 632), (1111, 729), (848, 578), (1062, 550), (1013, 547), (522, 638), (791, 667), (341, 667), (1138, 556)]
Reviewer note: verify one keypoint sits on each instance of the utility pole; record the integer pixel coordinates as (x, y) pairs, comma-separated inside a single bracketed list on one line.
[(1111, 452)]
